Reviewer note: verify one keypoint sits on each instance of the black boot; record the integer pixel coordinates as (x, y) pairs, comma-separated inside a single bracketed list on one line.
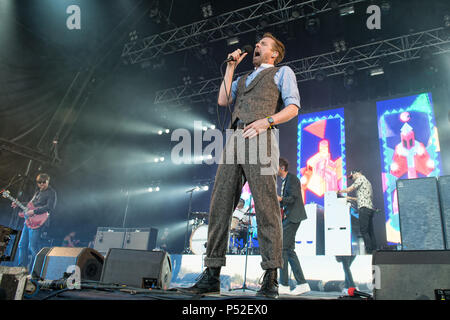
[(269, 286), (208, 283)]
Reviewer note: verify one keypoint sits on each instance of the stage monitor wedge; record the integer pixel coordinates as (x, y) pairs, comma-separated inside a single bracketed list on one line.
[(51, 263), (137, 268)]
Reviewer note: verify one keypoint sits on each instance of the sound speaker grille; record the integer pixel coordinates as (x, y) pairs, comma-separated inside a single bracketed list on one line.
[(420, 214)]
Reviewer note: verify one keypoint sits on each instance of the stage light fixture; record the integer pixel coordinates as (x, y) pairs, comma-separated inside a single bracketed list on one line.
[(334, 4), (187, 80), (385, 6), (339, 45), (167, 131), (133, 35), (320, 75), (348, 10), (376, 71), (207, 10), (232, 41), (160, 132), (447, 20), (212, 127), (312, 24)]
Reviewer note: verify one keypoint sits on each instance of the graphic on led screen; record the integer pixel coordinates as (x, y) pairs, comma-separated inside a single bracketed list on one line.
[(409, 148), (321, 154)]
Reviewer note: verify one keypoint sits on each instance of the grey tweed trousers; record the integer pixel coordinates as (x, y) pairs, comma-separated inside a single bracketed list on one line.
[(230, 178)]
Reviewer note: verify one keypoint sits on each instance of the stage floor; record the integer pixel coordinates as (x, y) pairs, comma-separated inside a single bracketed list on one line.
[(324, 274)]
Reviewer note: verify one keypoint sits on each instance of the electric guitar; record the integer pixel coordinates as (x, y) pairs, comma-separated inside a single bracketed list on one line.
[(33, 222)]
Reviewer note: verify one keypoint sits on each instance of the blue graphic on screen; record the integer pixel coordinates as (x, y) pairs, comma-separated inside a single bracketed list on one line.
[(409, 147), (321, 154)]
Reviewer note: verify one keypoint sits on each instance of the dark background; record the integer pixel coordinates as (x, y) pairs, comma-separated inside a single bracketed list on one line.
[(107, 144)]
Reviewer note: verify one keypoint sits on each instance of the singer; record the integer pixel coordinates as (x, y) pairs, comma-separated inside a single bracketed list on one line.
[(262, 99)]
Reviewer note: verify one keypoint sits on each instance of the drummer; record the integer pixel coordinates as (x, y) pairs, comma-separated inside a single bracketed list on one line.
[(240, 213)]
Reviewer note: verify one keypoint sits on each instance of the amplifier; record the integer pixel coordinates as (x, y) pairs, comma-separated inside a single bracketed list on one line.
[(410, 275), (125, 238), (420, 214)]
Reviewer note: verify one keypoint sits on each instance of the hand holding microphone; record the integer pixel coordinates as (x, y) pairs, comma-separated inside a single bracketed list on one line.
[(239, 54)]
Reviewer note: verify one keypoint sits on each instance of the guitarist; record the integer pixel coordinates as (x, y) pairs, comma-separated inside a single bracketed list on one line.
[(293, 214), (44, 201)]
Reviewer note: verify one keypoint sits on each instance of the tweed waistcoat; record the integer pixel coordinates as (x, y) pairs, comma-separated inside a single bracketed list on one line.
[(260, 99)]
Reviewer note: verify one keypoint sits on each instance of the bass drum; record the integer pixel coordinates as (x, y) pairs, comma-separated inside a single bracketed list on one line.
[(198, 240)]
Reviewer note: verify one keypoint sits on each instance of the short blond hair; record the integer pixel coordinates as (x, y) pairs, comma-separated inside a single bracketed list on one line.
[(278, 47)]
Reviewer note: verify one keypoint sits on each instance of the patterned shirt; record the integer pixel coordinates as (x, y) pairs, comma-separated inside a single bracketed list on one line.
[(364, 192)]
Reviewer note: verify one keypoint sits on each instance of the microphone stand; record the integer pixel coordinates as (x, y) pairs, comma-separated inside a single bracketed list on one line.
[(244, 285), (186, 249)]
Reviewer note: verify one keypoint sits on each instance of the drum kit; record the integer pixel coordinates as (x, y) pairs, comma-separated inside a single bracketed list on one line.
[(243, 235), (240, 232)]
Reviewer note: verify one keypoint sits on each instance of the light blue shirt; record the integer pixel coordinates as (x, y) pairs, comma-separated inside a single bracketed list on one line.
[(284, 79)]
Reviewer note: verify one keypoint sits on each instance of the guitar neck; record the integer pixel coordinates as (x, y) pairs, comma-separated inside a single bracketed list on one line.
[(19, 204)]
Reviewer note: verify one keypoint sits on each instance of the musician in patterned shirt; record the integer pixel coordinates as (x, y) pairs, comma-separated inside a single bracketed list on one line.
[(364, 195)]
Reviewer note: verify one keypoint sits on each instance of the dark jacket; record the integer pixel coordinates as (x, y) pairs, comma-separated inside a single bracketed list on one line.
[(292, 202), (44, 201)]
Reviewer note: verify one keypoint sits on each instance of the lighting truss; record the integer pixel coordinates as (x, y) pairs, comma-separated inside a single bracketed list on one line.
[(367, 56), (223, 26)]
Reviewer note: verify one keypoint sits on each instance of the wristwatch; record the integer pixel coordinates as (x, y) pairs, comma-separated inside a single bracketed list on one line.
[(271, 122)]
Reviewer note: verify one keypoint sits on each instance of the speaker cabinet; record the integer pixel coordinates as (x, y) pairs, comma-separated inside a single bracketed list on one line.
[(410, 275), (51, 263), (420, 214), (125, 238), (137, 268), (444, 197)]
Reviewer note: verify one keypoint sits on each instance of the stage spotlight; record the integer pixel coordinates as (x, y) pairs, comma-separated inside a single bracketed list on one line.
[(212, 127), (349, 82), (161, 159), (295, 14), (156, 160), (345, 11), (376, 71), (263, 22), (187, 80), (385, 6), (334, 4), (207, 10), (205, 128), (133, 35), (160, 132), (150, 189), (205, 188), (320, 75), (232, 41), (157, 189), (339, 45), (350, 70), (447, 20), (312, 25), (167, 131)]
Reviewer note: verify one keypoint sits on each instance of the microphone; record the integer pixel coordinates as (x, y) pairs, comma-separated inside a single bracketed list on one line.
[(246, 49), (352, 292)]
